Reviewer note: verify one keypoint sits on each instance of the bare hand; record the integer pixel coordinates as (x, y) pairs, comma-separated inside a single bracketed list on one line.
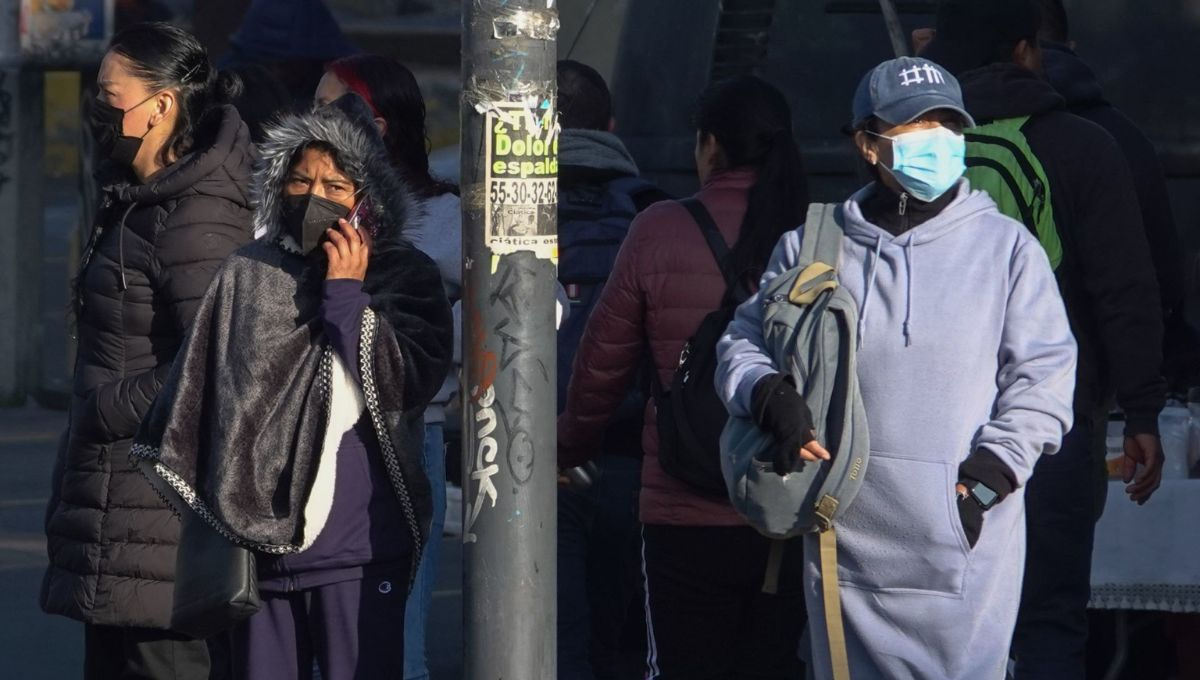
[(1144, 450), (783, 458), (813, 451), (348, 250)]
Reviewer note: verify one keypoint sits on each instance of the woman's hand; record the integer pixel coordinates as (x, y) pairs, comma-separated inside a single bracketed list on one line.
[(348, 250), (970, 514), (780, 410)]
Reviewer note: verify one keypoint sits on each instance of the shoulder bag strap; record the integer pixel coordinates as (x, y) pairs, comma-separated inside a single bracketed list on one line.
[(832, 599), (823, 233)]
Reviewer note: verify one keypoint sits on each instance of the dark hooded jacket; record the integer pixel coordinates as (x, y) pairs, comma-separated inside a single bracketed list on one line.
[(285, 30), (1107, 276), (293, 39), (150, 258), (1076, 82), (599, 192), (246, 431)]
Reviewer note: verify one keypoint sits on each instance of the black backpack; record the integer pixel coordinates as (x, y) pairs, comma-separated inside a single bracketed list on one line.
[(691, 416)]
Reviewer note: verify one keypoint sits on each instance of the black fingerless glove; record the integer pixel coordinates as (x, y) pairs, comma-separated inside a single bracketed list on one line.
[(982, 466), (780, 410)]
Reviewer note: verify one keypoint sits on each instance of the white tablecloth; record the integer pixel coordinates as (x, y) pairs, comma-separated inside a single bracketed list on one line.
[(1148, 557)]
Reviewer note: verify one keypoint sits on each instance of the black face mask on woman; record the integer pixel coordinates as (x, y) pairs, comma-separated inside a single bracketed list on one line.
[(307, 216), (108, 129)]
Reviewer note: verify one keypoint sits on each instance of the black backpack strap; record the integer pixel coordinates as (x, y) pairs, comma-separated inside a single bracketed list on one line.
[(712, 236), (736, 291)]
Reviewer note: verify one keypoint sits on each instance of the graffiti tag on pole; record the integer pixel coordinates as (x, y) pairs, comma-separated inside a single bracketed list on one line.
[(485, 466), (521, 177), (500, 420)]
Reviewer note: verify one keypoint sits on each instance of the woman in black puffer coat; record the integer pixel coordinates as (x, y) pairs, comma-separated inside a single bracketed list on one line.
[(174, 202)]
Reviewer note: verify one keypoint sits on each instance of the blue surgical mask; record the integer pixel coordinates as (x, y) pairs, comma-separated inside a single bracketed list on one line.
[(927, 163)]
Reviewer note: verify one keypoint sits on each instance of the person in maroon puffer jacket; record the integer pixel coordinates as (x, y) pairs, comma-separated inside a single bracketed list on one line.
[(703, 564)]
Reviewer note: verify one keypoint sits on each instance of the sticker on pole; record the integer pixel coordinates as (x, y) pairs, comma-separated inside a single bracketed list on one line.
[(522, 178)]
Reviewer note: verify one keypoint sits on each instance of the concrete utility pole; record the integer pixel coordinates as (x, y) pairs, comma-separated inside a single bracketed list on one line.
[(21, 126), (510, 246)]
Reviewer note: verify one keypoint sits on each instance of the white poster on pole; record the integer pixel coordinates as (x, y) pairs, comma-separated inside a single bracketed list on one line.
[(522, 177)]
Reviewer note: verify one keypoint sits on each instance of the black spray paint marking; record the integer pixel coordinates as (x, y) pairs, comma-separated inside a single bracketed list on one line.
[(505, 423)]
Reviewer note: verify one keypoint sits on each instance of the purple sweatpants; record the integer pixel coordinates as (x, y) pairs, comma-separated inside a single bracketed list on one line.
[(353, 629)]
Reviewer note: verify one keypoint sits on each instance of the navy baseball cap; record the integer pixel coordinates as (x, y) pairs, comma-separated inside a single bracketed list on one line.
[(901, 90)]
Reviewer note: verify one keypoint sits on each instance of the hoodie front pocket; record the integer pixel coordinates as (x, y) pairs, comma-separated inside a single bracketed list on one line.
[(903, 532)]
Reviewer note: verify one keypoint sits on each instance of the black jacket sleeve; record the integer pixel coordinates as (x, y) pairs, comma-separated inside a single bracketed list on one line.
[(1109, 269), (1153, 199), (416, 328), (116, 408), (186, 258)]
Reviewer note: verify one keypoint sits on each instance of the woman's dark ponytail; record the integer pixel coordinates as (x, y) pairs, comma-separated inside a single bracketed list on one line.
[(392, 92), (167, 57), (752, 123)]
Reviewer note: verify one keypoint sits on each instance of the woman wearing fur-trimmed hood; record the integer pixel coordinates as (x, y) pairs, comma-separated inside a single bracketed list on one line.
[(291, 420)]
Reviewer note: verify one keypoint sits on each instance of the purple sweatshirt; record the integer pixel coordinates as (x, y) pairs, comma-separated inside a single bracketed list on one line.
[(365, 531)]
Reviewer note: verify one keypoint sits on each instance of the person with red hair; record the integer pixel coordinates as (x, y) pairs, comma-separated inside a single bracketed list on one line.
[(395, 100)]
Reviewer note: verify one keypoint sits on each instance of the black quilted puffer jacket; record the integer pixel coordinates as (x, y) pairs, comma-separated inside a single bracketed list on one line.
[(149, 260)]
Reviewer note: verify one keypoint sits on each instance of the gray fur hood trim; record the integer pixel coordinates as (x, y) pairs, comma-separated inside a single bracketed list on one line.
[(347, 126)]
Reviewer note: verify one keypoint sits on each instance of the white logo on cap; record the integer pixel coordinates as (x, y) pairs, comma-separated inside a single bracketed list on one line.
[(913, 76)]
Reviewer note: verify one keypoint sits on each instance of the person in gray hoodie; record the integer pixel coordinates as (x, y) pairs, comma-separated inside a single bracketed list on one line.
[(966, 364)]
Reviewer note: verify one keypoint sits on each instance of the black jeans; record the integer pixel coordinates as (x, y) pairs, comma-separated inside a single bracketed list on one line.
[(112, 653), (708, 618), (1061, 502), (599, 573)]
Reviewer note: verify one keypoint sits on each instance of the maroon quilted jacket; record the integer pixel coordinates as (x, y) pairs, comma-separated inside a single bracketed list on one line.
[(663, 284)]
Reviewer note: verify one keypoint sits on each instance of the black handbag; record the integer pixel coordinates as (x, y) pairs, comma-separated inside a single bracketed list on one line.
[(216, 583)]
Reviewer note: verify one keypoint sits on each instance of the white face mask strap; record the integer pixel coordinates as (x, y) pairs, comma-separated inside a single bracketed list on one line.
[(876, 134)]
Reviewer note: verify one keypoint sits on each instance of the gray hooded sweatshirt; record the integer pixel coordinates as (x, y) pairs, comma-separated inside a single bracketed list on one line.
[(963, 344), (437, 232)]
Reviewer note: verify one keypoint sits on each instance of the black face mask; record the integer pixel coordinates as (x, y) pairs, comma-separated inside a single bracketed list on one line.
[(108, 129), (307, 216)]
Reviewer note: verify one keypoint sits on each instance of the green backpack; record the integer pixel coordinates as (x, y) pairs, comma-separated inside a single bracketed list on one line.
[(1000, 162)]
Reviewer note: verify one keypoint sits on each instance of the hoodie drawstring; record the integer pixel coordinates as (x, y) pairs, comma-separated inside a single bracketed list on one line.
[(912, 274), (121, 244), (871, 271)]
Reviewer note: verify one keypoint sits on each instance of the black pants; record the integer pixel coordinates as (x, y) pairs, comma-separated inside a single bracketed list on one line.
[(112, 653), (354, 630), (1061, 502), (599, 575), (707, 617)]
